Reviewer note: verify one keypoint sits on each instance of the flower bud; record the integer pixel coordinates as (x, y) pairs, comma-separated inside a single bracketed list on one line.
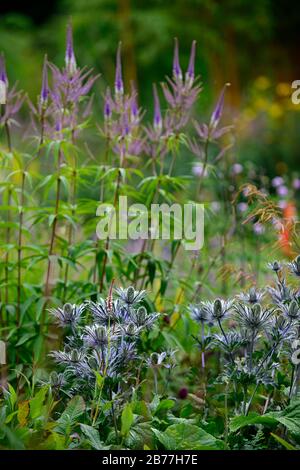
[(3, 81)]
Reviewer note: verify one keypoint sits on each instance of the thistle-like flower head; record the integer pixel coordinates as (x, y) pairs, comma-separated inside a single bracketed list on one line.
[(96, 336), (220, 308), (253, 318), (68, 315), (130, 296), (200, 313), (291, 310), (253, 296), (275, 266), (294, 266)]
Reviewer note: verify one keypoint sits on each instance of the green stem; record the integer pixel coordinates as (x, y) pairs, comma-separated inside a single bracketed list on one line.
[(117, 189), (70, 228), (21, 220), (53, 236)]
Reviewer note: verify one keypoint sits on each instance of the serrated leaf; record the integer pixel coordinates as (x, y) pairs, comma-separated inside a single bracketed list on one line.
[(69, 417), (185, 436), (93, 437)]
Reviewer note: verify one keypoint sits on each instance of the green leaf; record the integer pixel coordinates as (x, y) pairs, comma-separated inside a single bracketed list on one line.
[(93, 437), (36, 403), (283, 442), (290, 418), (185, 436), (25, 338), (165, 405), (69, 417), (12, 396), (99, 379), (126, 419), (252, 418)]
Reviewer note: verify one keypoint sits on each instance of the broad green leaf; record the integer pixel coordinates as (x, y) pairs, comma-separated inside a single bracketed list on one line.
[(36, 403), (165, 405), (252, 418), (93, 437), (69, 417), (126, 419), (185, 436)]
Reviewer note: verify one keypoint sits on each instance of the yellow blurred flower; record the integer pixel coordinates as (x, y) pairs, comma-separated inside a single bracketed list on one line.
[(275, 111), (261, 104), (249, 114), (283, 89), (262, 83)]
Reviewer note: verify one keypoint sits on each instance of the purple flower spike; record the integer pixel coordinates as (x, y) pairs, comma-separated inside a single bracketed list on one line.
[(70, 56), (217, 113), (45, 87), (157, 122), (3, 81), (190, 74), (134, 109), (107, 105), (177, 73), (119, 87)]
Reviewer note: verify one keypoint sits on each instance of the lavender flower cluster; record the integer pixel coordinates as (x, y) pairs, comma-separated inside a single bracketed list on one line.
[(64, 104), (103, 339), (256, 329)]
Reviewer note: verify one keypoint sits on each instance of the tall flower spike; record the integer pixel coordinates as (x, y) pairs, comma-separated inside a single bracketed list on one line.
[(157, 120), (119, 87), (134, 109), (217, 112), (177, 73), (190, 74), (45, 87), (70, 56), (107, 105), (3, 81)]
